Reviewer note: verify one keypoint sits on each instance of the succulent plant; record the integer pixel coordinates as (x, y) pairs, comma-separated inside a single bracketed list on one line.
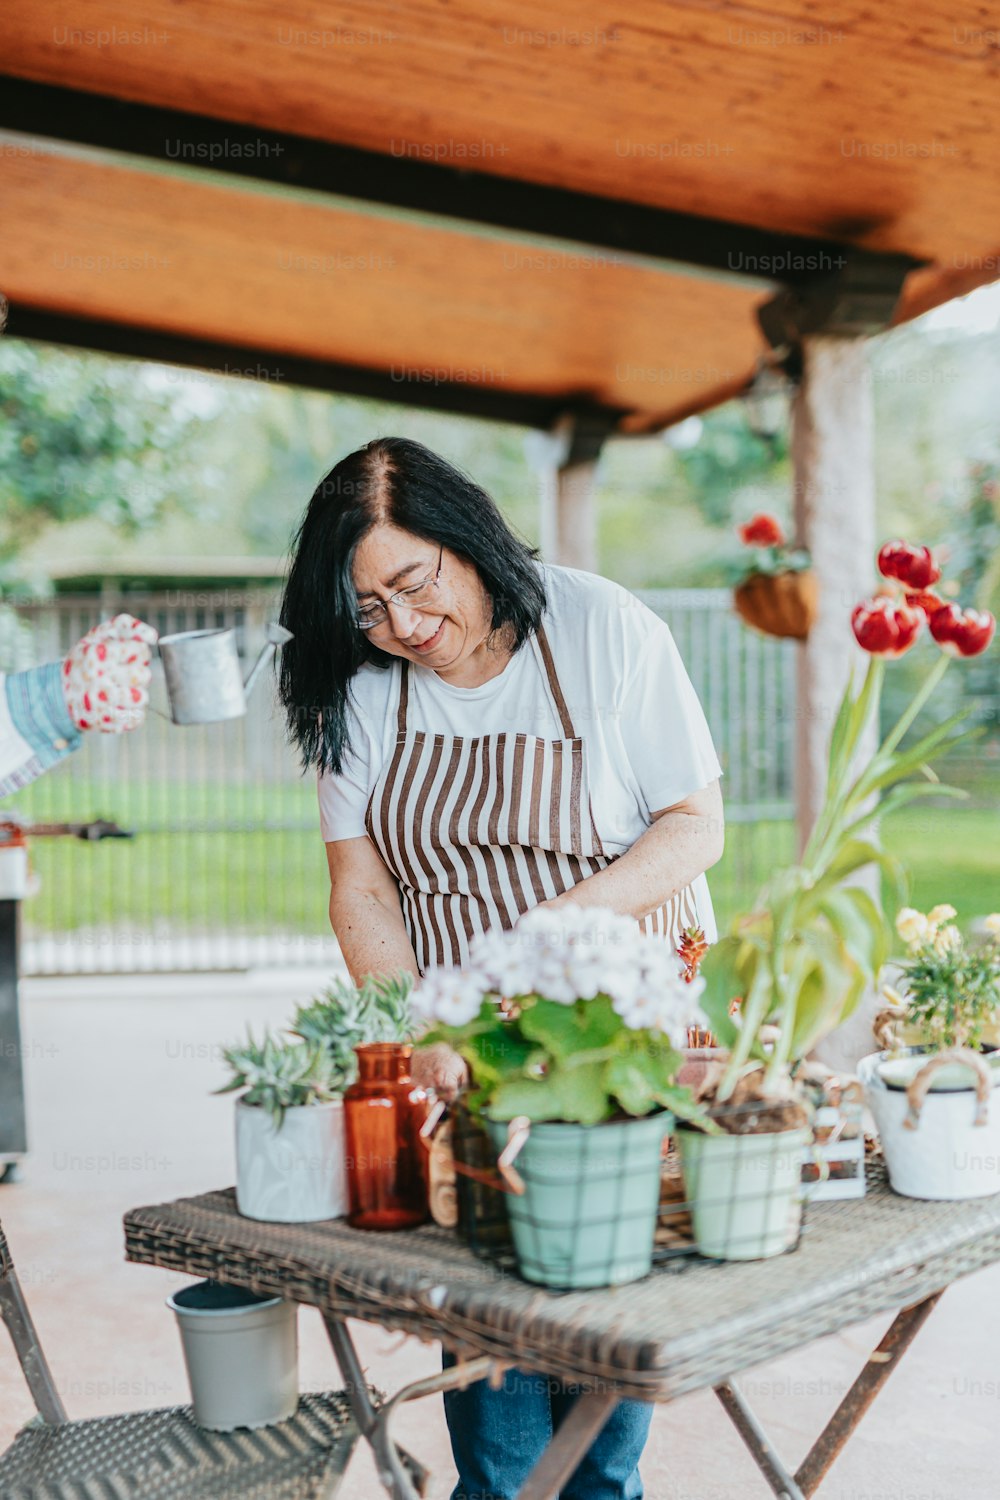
[(279, 1075), (344, 1016)]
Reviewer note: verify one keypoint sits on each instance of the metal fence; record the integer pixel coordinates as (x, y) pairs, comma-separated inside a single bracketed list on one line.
[(227, 869)]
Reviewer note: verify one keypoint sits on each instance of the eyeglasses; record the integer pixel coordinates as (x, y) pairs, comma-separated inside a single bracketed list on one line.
[(415, 597)]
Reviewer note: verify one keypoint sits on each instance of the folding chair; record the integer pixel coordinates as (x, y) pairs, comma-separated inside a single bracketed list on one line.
[(162, 1455)]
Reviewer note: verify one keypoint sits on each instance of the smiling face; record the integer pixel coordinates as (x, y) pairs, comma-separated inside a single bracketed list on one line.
[(449, 632)]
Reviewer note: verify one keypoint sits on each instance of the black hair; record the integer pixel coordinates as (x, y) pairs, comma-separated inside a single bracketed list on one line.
[(399, 482)]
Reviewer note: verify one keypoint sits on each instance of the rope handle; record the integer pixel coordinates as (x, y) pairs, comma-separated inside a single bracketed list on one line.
[(518, 1131), (916, 1093), (884, 1027), (503, 1178)]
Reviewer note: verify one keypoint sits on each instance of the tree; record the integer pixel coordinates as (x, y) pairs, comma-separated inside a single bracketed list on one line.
[(86, 436)]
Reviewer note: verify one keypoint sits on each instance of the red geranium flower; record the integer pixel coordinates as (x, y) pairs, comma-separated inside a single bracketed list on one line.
[(762, 531), (962, 632), (885, 628), (913, 566)]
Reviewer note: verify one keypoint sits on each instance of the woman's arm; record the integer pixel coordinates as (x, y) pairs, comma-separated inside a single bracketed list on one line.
[(367, 918), (682, 842), (365, 912)]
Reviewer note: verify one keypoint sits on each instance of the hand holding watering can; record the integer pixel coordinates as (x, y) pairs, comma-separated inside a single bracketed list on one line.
[(203, 674), (105, 677)]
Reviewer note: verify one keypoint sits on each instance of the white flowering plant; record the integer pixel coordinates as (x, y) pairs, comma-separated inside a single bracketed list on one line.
[(949, 988), (572, 1015)]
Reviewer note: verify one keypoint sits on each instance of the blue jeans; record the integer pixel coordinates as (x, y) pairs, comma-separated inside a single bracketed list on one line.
[(498, 1436)]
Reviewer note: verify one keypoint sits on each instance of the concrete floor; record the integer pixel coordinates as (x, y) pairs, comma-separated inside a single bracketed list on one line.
[(119, 1074)]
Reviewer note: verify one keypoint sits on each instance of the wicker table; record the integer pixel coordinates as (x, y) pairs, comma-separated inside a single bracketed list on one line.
[(655, 1339)]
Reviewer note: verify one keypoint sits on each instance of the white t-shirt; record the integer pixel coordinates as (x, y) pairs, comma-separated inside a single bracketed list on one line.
[(647, 744)]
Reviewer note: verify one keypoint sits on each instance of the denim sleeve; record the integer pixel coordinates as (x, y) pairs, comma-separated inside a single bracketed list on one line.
[(39, 714)]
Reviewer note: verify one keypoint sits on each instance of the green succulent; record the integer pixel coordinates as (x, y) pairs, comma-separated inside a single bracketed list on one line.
[(279, 1075), (344, 1016)]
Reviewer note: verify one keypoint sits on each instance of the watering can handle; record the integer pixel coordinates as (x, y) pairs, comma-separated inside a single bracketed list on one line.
[(277, 636)]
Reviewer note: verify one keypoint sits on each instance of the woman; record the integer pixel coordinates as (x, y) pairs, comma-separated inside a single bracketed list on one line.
[(491, 733)]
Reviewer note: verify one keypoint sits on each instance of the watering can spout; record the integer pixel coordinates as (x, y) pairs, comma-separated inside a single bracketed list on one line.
[(277, 636)]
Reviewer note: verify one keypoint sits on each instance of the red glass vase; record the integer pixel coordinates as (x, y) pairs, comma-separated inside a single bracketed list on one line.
[(386, 1162)]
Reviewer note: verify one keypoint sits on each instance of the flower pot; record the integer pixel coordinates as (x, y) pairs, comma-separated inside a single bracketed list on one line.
[(696, 1065), (782, 604), (241, 1353), (587, 1214), (938, 1143), (295, 1173), (745, 1191)]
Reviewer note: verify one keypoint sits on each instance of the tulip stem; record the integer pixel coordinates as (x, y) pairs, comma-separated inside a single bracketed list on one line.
[(927, 687)]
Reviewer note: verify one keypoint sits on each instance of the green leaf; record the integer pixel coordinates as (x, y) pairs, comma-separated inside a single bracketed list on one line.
[(854, 854), (563, 1030), (839, 753), (721, 970), (496, 1053), (578, 1095), (641, 1078), (534, 1097), (887, 769)]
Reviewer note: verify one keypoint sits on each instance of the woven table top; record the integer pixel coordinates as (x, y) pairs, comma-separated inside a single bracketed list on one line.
[(657, 1338)]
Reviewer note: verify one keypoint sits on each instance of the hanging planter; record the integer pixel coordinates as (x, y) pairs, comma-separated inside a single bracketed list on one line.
[(778, 594), (779, 604)]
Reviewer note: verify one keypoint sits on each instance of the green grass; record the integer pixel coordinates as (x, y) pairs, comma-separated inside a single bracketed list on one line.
[(276, 882)]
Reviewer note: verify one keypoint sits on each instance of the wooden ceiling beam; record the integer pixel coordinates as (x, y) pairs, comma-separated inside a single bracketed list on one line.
[(279, 368), (683, 242)]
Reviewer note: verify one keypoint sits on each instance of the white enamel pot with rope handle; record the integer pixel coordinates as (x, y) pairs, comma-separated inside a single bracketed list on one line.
[(939, 1143)]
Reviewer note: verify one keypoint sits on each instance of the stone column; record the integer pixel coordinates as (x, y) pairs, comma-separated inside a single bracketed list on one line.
[(834, 507), (576, 516), (834, 490)]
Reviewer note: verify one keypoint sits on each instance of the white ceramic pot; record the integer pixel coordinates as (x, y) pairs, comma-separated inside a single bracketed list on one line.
[(949, 1147), (295, 1174), (745, 1191)]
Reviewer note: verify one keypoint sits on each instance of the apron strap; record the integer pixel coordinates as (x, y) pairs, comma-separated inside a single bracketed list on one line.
[(404, 696), (562, 709)]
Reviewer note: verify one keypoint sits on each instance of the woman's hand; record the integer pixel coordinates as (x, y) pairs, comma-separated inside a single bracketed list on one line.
[(439, 1068), (106, 675)]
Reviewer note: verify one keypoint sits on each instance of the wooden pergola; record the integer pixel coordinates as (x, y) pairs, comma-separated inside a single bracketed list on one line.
[(591, 227)]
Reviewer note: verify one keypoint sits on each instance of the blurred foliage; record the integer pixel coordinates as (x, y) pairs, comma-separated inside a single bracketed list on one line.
[(198, 464), (84, 436)]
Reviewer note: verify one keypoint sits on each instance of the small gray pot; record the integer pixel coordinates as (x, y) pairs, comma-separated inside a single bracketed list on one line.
[(241, 1353)]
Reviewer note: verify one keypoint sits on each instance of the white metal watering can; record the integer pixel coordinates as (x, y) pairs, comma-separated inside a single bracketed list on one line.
[(203, 675)]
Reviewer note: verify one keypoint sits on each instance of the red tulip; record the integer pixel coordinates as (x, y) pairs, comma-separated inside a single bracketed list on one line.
[(927, 600), (884, 628), (913, 566), (762, 531), (962, 632)]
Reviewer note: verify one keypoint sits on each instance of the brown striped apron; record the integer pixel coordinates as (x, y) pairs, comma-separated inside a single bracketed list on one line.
[(477, 830)]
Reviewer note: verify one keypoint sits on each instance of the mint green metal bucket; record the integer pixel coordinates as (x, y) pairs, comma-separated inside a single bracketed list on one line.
[(587, 1216)]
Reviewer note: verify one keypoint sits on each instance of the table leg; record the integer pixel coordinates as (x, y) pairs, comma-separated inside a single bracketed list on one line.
[(845, 1419), (879, 1367), (571, 1441), (778, 1477), (402, 1476)]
